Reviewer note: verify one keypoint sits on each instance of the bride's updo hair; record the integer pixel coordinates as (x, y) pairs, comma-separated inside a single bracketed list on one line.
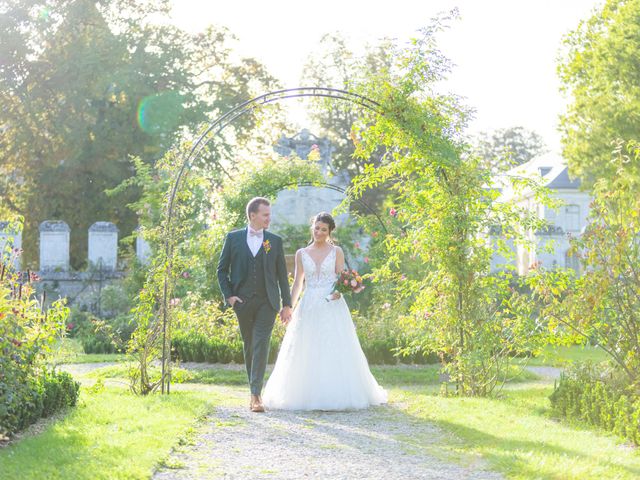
[(326, 218)]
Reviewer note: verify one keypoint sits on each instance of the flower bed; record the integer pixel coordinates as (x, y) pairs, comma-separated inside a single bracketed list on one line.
[(28, 389)]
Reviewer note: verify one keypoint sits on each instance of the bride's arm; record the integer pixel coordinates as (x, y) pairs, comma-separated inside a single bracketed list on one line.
[(339, 269), (298, 279), (339, 260)]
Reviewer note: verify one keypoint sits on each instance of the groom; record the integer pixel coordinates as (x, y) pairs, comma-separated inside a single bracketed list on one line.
[(252, 274)]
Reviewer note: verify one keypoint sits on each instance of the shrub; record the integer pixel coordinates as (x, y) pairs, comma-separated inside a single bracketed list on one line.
[(27, 331), (195, 347), (206, 333), (77, 322), (602, 305), (40, 397), (100, 336), (108, 336), (220, 341), (598, 397), (382, 337)]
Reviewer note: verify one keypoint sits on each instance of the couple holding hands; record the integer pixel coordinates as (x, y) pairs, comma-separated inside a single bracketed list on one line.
[(320, 365)]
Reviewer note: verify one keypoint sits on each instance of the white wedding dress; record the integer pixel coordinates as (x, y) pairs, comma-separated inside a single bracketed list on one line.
[(321, 365)]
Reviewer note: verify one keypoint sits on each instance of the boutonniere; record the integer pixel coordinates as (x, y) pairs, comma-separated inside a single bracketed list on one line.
[(266, 245)]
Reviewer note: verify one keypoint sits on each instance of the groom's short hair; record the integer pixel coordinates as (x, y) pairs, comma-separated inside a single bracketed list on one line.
[(254, 205)]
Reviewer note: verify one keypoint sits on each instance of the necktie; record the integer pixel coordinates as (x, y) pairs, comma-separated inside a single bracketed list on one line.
[(255, 233)]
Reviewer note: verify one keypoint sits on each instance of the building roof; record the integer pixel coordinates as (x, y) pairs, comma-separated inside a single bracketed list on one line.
[(552, 169), (562, 180)]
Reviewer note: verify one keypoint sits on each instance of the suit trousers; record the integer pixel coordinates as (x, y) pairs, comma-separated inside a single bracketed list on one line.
[(256, 317)]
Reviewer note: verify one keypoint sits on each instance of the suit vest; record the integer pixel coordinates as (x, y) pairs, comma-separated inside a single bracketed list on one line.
[(254, 284)]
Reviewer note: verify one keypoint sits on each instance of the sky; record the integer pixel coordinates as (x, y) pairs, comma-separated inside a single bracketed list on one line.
[(504, 51)]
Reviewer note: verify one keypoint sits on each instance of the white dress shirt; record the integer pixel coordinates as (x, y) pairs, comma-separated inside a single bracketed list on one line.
[(254, 241)]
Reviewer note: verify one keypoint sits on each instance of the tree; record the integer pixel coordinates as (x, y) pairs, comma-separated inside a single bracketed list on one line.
[(87, 84), (336, 65), (599, 71), (602, 306), (436, 256), (509, 147)]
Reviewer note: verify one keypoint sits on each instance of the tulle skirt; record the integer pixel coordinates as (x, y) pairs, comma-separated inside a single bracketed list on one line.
[(321, 365)]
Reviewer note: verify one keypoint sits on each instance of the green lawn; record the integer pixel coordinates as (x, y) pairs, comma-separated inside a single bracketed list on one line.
[(513, 432), (560, 356), (516, 433), (69, 350), (109, 435), (389, 375), (517, 436)]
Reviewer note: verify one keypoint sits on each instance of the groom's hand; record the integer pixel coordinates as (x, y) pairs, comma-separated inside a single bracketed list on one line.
[(232, 300), (285, 315)]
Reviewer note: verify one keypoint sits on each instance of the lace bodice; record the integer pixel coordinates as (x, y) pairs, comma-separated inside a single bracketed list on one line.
[(319, 276)]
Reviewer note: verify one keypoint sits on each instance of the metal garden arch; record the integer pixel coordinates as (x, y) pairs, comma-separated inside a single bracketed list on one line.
[(207, 136)]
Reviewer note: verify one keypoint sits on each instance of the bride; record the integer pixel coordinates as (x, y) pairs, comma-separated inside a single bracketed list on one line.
[(321, 365)]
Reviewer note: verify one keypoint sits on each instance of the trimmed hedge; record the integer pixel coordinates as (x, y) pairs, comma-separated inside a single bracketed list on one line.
[(599, 399), (381, 351), (195, 347), (25, 403)]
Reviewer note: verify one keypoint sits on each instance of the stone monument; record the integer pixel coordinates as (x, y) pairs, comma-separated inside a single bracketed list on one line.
[(103, 245), (54, 246)]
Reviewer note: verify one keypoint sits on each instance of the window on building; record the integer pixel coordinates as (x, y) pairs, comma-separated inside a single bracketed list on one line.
[(550, 215), (571, 261), (572, 214)]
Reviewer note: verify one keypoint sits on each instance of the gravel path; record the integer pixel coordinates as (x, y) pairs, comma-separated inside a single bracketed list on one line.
[(381, 442), (377, 443), (79, 369), (552, 373)]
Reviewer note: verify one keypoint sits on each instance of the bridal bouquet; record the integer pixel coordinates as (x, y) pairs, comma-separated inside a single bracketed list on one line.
[(349, 281)]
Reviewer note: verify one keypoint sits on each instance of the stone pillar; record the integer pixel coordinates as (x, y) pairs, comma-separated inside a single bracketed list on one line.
[(143, 249), (103, 245), (54, 245), (9, 241)]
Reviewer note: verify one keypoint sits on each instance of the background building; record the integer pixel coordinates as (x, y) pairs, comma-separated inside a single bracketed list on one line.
[(570, 219)]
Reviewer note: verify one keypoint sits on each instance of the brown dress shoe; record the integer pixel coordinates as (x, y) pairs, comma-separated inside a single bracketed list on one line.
[(256, 404)]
